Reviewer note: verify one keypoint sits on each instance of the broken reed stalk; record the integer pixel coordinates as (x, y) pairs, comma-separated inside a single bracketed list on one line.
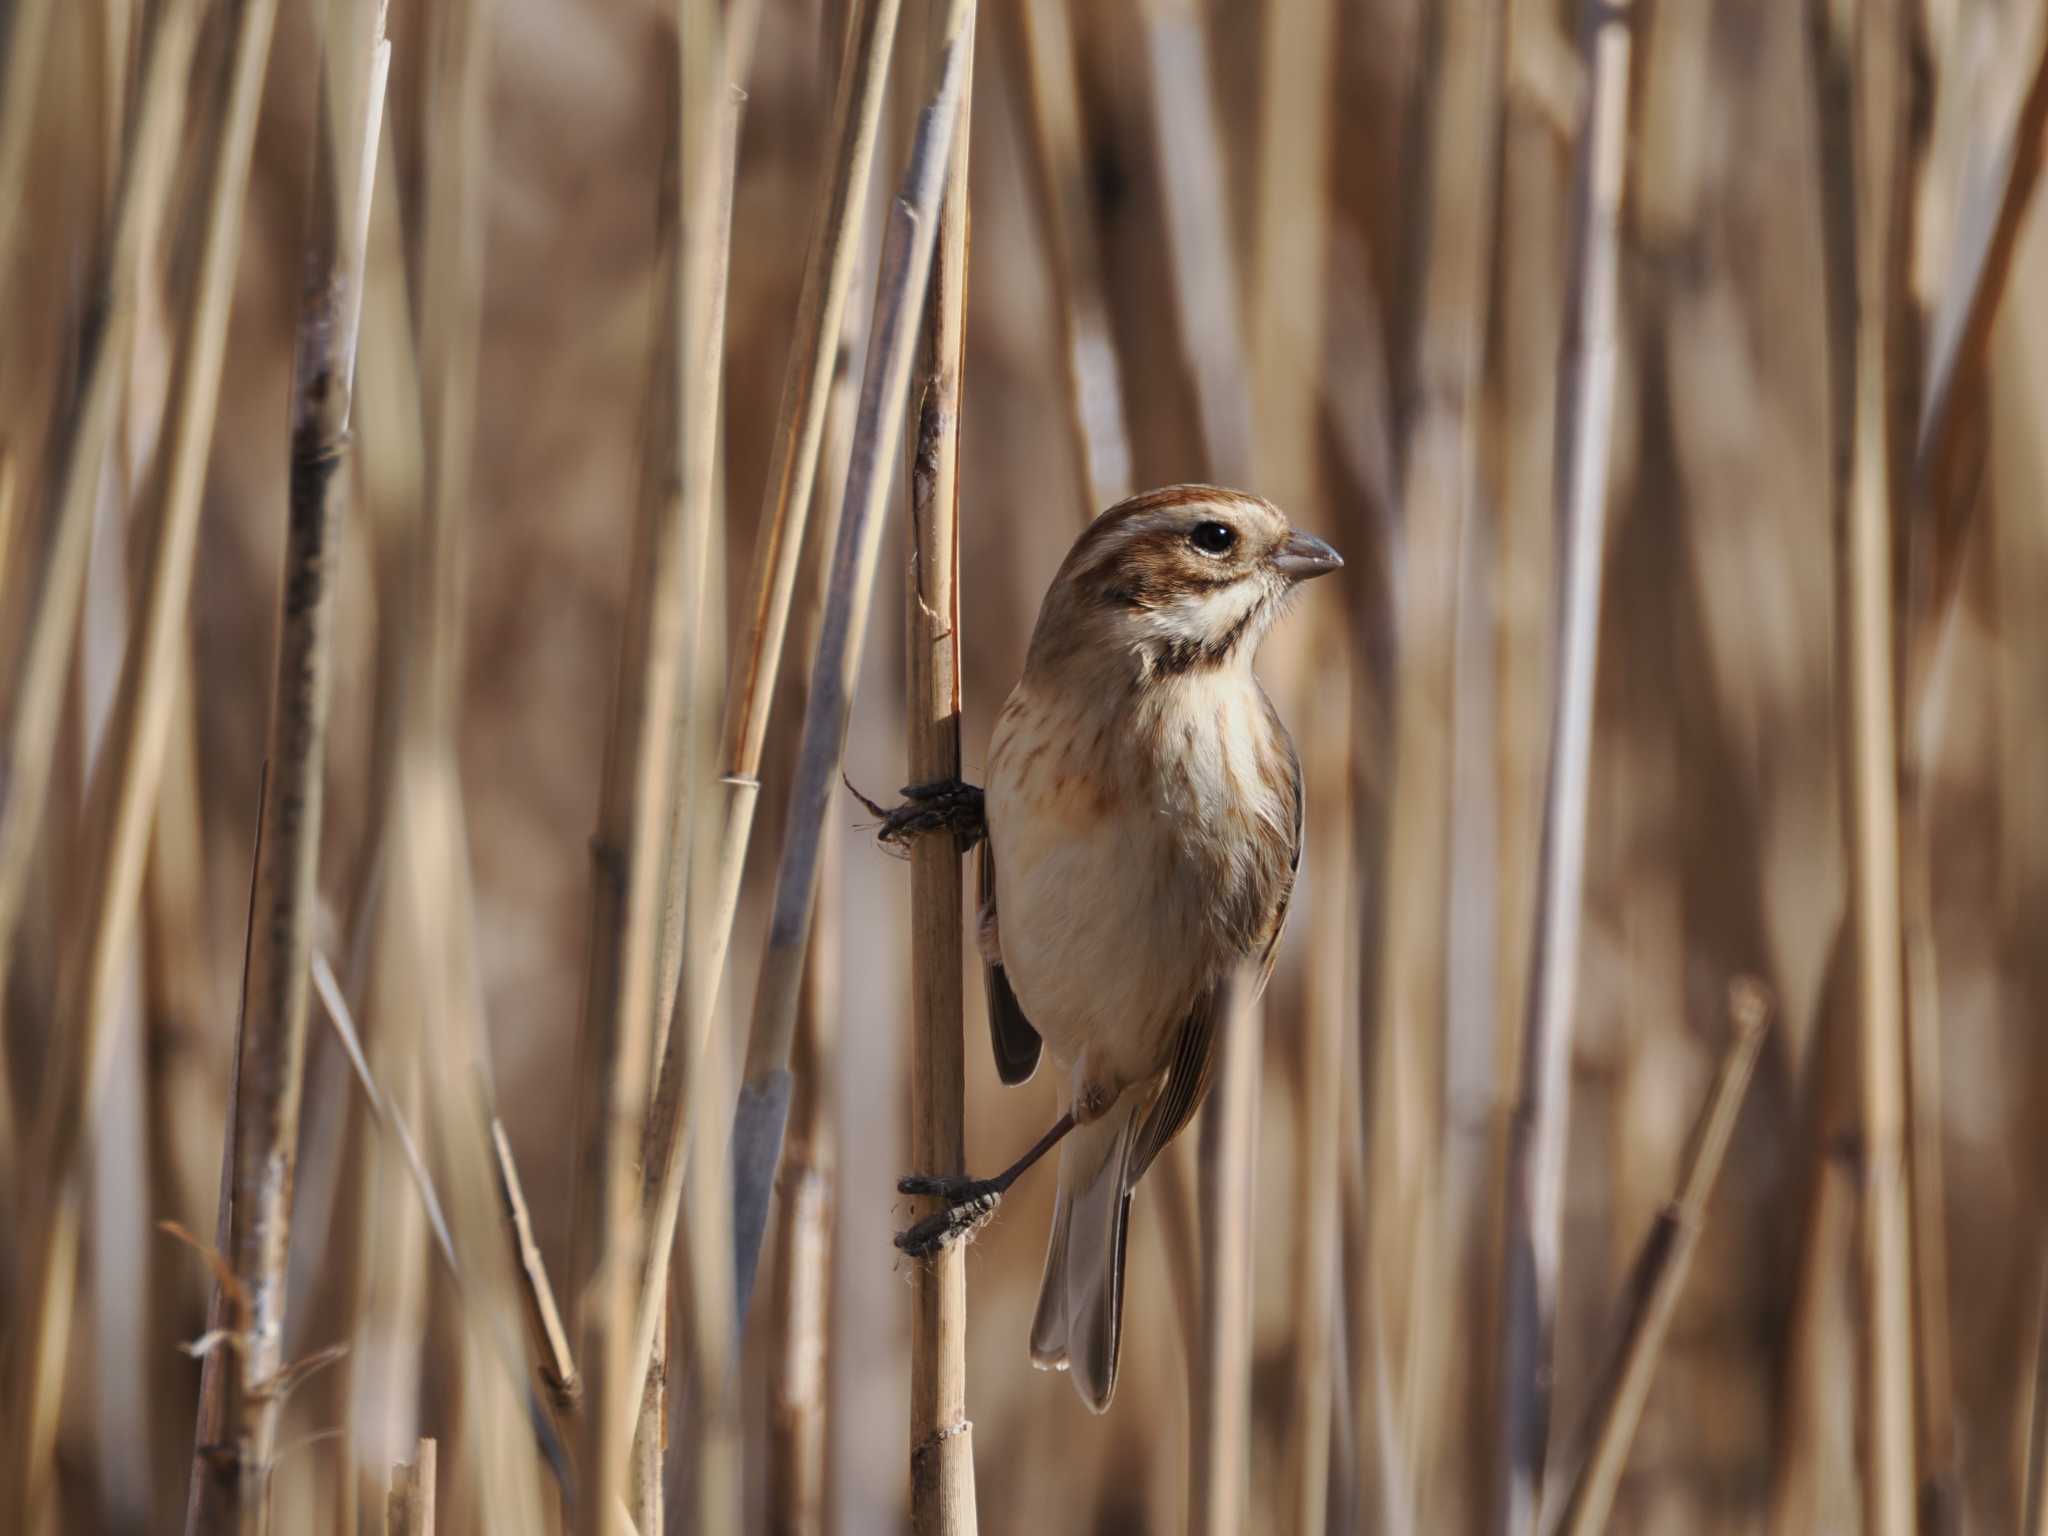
[(272, 1053), (544, 1316), (86, 432), (750, 686), (1859, 93), (1536, 1155), (942, 1499), (1219, 1452), (899, 303), (130, 765), (1659, 1276), (409, 1508), (1039, 44)]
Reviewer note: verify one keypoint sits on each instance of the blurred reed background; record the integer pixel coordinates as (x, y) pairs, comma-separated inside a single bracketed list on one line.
[(1670, 375)]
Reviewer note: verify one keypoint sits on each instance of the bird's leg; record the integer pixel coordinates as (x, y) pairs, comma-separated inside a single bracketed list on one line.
[(944, 805), (969, 1202)]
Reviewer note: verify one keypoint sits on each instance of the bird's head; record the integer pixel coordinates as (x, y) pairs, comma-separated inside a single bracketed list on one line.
[(1183, 579)]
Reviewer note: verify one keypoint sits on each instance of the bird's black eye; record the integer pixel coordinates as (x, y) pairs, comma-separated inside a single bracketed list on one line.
[(1213, 538)]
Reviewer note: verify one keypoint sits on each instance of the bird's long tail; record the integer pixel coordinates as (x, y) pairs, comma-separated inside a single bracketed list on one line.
[(1079, 1323)]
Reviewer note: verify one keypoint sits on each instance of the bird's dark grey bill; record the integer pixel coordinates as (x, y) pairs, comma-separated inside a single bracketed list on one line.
[(1304, 555)]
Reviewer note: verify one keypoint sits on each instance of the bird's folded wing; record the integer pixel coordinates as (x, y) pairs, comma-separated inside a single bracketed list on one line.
[(1194, 1053), (1016, 1042)]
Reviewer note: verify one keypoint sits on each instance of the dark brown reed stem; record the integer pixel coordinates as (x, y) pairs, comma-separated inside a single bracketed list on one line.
[(899, 304), (1659, 1277), (1536, 1156), (1860, 81), (409, 1510), (86, 431), (941, 1436), (273, 1046), (750, 686), (123, 795), (1039, 47)]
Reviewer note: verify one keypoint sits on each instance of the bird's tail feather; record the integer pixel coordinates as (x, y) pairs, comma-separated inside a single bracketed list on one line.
[(1079, 1324)]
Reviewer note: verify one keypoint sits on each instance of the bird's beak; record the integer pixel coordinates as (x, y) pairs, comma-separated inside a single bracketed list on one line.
[(1304, 555)]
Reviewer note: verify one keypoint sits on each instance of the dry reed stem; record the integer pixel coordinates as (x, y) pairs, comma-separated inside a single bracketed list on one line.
[(1039, 45), (544, 1317), (1858, 56), (86, 432), (273, 1046), (1958, 352), (942, 1499), (1206, 304), (1446, 290), (1331, 1018), (806, 1188), (1536, 1157), (629, 861), (899, 303), (409, 1508), (224, 1300), (2034, 1496), (1219, 1451), (1659, 1275), (27, 44), (130, 767), (828, 275), (1947, 473)]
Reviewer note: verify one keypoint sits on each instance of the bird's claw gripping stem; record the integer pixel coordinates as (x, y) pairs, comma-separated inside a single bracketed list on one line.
[(969, 1205), (945, 805)]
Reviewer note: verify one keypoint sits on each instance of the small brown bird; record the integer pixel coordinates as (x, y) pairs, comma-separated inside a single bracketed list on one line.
[(1143, 827)]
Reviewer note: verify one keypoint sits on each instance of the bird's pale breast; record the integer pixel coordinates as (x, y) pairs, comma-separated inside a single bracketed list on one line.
[(1128, 862)]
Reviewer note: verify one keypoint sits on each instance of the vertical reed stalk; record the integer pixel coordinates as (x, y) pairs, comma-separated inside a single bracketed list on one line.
[(750, 687), (273, 1045), (123, 798), (86, 433), (899, 305), (1860, 84), (630, 859), (1536, 1156), (1331, 1020), (27, 46), (1039, 43), (941, 1436), (800, 1390)]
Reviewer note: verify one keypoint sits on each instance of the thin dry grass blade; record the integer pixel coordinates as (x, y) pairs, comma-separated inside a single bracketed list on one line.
[(1660, 1273), (1536, 1166)]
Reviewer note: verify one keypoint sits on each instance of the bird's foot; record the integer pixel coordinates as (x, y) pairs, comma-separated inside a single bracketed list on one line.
[(945, 805), (969, 1204)]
